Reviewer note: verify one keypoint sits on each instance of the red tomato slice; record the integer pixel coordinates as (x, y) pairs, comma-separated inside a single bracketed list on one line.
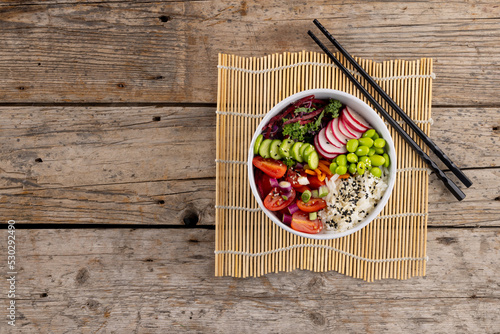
[(262, 182), (292, 177), (274, 201), (301, 223), (273, 168), (314, 182), (313, 205), (301, 189)]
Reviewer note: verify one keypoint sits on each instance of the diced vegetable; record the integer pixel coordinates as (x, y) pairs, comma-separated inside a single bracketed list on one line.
[(274, 182), (306, 196), (322, 191), (292, 208), (313, 215), (287, 219), (302, 180), (285, 186)]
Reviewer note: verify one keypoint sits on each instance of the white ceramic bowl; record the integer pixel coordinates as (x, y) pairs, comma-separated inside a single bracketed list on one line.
[(364, 110)]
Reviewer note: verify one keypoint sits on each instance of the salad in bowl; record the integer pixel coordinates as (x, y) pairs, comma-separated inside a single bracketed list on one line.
[(322, 164)]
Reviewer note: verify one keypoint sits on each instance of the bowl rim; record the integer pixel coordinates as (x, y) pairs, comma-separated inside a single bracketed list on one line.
[(361, 107)]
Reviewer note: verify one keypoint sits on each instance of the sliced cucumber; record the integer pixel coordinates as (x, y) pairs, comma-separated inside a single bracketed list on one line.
[(264, 148), (307, 153), (285, 147), (313, 159), (295, 153), (304, 147), (273, 149), (258, 141)]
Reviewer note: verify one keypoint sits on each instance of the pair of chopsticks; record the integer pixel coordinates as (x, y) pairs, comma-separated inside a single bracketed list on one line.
[(440, 154)]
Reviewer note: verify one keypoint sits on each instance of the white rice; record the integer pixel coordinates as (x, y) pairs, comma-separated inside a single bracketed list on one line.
[(351, 200)]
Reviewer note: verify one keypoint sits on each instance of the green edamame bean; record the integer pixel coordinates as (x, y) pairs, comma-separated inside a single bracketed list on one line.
[(379, 150), (371, 152), (352, 145), (341, 160), (376, 136), (361, 168), (366, 142), (352, 169), (362, 150), (333, 167), (351, 157), (369, 133), (366, 161), (379, 142), (341, 170), (387, 160), (376, 172), (377, 160)]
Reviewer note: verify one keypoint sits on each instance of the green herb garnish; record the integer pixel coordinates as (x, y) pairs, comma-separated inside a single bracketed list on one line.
[(333, 108)]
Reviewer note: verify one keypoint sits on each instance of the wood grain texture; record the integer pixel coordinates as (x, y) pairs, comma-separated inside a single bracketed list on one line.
[(127, 51), (106, 165), (151, 281)]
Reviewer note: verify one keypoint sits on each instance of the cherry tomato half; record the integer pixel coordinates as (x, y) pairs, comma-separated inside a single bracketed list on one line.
[(275, 200), (263, 183), (301, 223), (314, 182), (313, 205), (292, 176), (273, 168), (301, 189)]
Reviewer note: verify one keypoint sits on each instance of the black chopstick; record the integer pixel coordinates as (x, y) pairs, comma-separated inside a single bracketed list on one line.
[(440, 174), (434, 148)]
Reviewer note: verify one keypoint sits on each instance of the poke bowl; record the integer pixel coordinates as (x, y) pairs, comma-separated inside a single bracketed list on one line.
[(322, 164)]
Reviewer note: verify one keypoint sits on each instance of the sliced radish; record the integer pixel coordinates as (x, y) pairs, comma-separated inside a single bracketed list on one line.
[(321, 152), (330, 137), (349, 122), (345, 131), (336, 132), (325, 145), (355, 133), (357, 118)]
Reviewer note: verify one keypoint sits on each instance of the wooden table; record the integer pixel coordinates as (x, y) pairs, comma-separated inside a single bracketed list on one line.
[(107, 167)]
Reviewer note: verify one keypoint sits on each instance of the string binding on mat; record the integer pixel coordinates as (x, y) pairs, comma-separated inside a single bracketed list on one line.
[(397, 215), (230, 162), (305, 63), (217, 252), (423, 121), (232, 113), (238, 208)]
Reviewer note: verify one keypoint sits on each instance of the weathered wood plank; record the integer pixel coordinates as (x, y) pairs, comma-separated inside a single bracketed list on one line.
[(108, 165), (131, 51), (151, 280)]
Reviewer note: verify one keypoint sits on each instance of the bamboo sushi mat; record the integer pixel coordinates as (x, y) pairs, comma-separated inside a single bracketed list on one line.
[(247, 243)]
